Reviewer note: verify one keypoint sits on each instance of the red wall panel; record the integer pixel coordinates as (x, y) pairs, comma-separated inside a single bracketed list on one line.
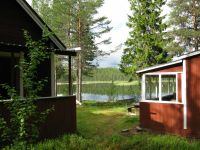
[(162, 117), (193, 95), (58, 122), (178, 68)]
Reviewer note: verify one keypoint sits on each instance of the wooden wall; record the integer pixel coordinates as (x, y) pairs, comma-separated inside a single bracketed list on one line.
[(13, 20), (193, 95), (162, 117), (60, 121), (175, 68)]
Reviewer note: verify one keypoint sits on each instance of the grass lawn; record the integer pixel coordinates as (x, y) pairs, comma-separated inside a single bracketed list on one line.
[(100, 126)]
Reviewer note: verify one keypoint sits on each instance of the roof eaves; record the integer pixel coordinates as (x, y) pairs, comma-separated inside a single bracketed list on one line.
[(159, 66), (13, 46), (39, 22), (188, 55)]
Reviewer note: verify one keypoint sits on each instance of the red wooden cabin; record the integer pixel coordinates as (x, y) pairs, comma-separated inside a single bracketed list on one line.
[(171, 96), (16, 16)]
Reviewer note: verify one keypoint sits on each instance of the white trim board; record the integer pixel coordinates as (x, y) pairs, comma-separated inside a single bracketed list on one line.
[(162, 73), (161, 102), (159, 74), (188, 55), (143, 86), (184, 95)]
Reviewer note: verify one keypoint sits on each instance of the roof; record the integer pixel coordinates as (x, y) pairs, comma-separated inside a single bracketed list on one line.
[(38, 20), (190, 54), (159, 66), (13, 47), (177, 60)]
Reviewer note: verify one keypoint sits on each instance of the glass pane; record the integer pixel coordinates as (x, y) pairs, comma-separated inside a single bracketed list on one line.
[(168, 87), (152, 87)]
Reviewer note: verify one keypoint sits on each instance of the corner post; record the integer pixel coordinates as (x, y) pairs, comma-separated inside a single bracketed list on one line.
[(21, 75), (70, 75), (53, 75), (143, 87), (184, 94), (160, 88)]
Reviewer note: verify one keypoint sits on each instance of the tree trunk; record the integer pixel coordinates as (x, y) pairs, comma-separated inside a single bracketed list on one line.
[(79, 78), (79, 63), (196, 40)]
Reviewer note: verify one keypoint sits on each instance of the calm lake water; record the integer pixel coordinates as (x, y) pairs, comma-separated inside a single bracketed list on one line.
[(96, 97), (105, 91)]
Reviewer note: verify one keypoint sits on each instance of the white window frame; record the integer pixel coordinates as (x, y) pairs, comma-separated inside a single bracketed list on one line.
[(160, 74)]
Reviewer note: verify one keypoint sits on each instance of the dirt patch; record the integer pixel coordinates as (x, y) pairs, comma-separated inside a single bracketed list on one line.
[(132, 131)]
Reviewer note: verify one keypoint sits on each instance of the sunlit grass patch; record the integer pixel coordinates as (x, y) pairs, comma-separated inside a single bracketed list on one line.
[(100, 126), (111, 111)]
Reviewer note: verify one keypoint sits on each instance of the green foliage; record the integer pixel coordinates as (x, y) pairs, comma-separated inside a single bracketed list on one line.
[(184, 23), (22, 128), (107, 74), (75, 24), (36, 54), (109, 104), (146, 42), (100, 128), (4, 132), (112, 91), (104, 89)]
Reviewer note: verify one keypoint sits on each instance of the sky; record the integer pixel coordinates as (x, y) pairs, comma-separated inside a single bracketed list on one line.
[(117, 12)]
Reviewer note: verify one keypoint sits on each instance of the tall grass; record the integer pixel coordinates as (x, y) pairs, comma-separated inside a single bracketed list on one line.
[(100, 126)]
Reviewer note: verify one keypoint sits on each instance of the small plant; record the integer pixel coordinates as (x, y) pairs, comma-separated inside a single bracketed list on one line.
[(24, 117)]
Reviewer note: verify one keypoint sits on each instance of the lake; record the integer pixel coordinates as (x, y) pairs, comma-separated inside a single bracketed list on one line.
[(104, 91)]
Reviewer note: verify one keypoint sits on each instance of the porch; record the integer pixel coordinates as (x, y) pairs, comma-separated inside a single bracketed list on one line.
[(62, 120)]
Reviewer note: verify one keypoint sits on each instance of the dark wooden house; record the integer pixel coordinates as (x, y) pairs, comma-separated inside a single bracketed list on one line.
[(171, 96), (15, 17)]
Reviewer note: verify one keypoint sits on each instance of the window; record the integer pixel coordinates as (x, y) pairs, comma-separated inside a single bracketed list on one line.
[(160, 87), (152, 87), (168, 87)]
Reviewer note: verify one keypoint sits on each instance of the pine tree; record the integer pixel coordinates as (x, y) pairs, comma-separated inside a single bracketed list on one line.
[(74, 22), (145, 45), (184, 23)]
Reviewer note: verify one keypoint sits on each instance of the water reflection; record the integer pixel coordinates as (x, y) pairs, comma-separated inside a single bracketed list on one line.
[(104, 91), (89, 96)]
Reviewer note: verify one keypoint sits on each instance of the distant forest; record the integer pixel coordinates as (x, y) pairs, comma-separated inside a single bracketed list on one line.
[(106, 74)]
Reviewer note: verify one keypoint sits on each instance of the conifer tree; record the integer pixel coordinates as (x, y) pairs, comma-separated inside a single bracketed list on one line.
[(75, 23), (145, 45), (184, 23)]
